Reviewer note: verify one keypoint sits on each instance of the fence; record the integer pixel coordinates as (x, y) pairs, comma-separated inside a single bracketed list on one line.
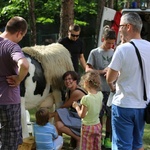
[(45, 39)]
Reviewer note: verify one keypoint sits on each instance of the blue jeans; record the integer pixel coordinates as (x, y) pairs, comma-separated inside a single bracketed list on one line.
[(127, 128)]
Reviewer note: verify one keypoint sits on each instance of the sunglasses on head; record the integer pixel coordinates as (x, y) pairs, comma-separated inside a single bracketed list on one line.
[(73, 35)]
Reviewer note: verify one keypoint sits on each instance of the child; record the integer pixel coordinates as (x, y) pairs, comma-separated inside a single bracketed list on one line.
[(89, 109), (99, 59), (46, 136)]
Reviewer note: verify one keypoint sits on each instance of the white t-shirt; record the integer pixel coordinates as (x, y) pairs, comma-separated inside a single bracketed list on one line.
[(129, 86)]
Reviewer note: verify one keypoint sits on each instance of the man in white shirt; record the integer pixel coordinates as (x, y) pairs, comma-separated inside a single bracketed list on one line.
[(128, 104)]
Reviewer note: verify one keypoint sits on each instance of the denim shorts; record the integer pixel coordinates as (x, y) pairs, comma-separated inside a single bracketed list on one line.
[(127, 128)]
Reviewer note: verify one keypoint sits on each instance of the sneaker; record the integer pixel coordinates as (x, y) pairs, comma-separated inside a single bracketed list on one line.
[(107, 143)]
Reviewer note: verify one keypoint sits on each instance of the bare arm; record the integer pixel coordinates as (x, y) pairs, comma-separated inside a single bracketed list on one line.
[(81, 110), (90, 67), (23, 66), (111, 77), (75, 96), (82, 61)]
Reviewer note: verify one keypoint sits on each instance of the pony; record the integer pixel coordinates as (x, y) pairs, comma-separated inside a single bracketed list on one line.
[(43, 84)]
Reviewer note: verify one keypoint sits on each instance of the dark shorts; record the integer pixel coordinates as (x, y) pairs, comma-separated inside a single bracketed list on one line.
[(11, 130), (105, 108)]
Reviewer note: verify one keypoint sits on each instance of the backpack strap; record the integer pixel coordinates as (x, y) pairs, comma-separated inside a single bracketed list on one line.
[(141, 66)]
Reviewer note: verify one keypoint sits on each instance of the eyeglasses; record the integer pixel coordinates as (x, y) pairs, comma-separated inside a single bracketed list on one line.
[(122, 25), (68, 79), (73, 35)]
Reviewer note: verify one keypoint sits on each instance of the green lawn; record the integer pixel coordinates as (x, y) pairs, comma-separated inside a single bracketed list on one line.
[(146, 138)]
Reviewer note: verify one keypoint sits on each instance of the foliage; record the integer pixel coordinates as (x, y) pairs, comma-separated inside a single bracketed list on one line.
[(84, 11), (44, 20), (12, 8), (47, 11), (86, 7)]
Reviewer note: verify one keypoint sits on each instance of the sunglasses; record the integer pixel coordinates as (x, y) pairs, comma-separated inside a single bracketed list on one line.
[(73, 35)]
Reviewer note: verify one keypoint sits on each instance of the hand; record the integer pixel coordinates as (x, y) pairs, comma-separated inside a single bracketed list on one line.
[(103, 72), (113, 88), (13, 80), (74, 104)]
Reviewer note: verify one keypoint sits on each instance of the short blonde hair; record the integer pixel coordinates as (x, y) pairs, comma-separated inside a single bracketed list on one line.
[(93, 79)]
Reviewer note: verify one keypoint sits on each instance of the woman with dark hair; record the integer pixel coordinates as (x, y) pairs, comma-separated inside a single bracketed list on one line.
[(66, 118)]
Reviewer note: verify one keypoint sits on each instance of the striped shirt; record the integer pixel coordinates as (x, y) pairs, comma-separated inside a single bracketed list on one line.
[(10, 53), (44, 136)]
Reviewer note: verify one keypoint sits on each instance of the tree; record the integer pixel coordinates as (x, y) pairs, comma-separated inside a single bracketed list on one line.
[(111, 4), (64, 12), (11, 8), (32, 22), (66, 16), (100, 6)]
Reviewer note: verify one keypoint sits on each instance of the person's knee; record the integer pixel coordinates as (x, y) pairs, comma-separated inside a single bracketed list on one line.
[(59, 125), (56, 118)]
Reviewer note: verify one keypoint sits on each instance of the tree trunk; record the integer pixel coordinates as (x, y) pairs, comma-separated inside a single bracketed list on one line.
[(101, 4), (111, 4), (66, 16), (116, 5), (32, 22)]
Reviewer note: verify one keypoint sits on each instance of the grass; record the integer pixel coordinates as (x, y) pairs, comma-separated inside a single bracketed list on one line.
[(66, 145), (146, 138)]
